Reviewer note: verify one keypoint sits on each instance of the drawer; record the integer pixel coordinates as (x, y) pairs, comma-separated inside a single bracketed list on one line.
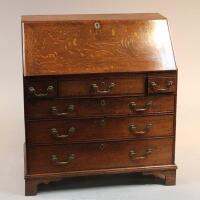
[(40, 89), (102, 86), (77, 130), (91, 156), (161, 84), (37, 109)]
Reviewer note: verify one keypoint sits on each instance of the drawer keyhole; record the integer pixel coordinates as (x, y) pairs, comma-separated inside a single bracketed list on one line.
[(97, 25), (103, 102), (102, 147)]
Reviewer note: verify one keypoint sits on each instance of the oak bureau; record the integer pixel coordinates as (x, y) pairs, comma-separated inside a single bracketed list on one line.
[(99, 97)]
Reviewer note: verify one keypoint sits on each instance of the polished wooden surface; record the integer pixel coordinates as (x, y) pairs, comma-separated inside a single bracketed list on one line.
[(82, 47), (100, 155), (88, 107), (157, 84), (167, 173), (103, 86), (120, 16), (104, 128), (100, 97)]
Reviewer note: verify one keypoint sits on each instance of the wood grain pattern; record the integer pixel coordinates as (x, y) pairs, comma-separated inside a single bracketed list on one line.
[(99, 155), (76, 47), (124, 86), (165, 172), (107, 171), (40, 132), (158, 84), (169, 176), (79, 17), (31, 185), (87, 107)]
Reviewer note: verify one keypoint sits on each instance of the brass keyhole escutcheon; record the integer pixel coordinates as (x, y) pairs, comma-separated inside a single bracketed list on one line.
[(102, 122), (102, 146), (103, 102), (97, 25)]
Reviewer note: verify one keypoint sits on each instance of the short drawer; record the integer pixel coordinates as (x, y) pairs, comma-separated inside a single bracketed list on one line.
[(91, 156), (161, 84), (86, 107), (77, 130), (102, 86), (40, 89)]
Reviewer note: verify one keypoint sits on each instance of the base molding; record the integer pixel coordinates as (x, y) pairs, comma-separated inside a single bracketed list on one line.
[(167, 173), (31, 185)]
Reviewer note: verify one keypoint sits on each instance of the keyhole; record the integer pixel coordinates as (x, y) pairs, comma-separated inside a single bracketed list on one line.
[(97, 25), (103, 102), (102, 122), (101, 147)]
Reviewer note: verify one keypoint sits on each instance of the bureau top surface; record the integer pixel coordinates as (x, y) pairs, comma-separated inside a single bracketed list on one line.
[(99, 43), (121, 16)]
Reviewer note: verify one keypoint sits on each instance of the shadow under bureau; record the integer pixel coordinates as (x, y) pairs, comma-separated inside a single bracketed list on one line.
[(99, 97)]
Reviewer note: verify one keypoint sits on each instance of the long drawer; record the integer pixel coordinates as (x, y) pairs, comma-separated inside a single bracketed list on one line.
[(99, 106), (91, 156), (73, 130), (90, 86)]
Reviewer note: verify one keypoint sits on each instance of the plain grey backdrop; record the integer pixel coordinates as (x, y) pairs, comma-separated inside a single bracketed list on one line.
[(184, 20)]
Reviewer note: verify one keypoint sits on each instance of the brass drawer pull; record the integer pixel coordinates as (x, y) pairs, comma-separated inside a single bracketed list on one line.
[(95, 89), (33, 91), (133, 154), (133, 129), (133, 106), (155, 86), (70, 131), (54, 110), (55, 159)]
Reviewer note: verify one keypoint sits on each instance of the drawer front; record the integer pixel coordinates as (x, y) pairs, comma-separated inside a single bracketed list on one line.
[(77, 157), (91, 87), (77, 130), (161, 84), (40, 89), (99, 106)]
